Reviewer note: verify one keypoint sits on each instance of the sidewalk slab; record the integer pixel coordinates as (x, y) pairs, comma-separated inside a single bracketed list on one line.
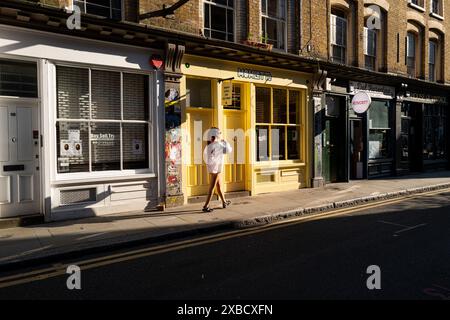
[(35, 243)]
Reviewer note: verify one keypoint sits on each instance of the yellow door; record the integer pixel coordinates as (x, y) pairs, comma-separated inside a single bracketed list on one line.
[(198, 121), (234, 133)]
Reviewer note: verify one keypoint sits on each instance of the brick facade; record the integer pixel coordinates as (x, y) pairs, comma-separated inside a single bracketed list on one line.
[(308, 33)]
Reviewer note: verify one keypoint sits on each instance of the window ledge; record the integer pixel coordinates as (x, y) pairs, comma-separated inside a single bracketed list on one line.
[(437, 16), (71, 179), (415, 6)]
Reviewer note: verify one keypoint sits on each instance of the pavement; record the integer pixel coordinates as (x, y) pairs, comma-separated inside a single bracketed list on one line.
[(35, 243)]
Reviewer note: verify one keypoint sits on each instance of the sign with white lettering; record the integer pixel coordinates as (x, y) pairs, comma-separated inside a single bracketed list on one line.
[(361, 102), (373, 90), (254, 74)]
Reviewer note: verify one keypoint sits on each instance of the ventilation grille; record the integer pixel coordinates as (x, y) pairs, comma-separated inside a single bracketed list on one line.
[(69, 197)]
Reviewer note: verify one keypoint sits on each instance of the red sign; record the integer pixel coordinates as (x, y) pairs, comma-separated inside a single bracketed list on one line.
[(156, 61), (361, 102)]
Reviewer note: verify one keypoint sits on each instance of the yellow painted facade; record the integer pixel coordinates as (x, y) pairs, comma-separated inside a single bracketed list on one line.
[(242, 170)]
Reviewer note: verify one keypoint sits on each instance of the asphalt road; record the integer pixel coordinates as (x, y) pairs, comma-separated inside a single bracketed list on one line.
[(317, 259)]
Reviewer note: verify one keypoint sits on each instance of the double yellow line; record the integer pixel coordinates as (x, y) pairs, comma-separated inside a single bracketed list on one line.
[(60, 269)]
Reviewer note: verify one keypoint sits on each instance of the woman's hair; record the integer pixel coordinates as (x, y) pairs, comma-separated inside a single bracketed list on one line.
[(213, 136)]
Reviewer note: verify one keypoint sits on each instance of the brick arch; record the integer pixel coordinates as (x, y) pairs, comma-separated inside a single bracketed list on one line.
[(415, 18), (435, 25), (341, 4), (381, 3), (435, 34)]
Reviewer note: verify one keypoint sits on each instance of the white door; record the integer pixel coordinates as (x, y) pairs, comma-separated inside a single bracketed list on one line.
[(19, 159)]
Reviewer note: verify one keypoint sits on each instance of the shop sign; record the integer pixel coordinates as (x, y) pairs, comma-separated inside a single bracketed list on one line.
[(254, 74), (103, 139), (227, 93), (361, 102), (424, 98), (373, 90)]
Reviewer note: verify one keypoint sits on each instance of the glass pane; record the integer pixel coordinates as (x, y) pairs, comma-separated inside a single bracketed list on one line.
[(218, 18), (135, 142), (105, 95), (278, 140), (262, 105), (293, 143), (262, 143), (379, 115), (72, 144), (72, 85), (198, 93), (279, 106), (378, 144), (18, 79), (135, 96), (294, 107), (105, 141), (206, 15), (236, 99)]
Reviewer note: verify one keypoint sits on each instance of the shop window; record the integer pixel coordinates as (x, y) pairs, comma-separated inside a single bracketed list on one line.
[(111, 9), (104, 131), (379, 130), (274, 14), (18, 79), (434, 126), (219, 19), (263, 103), (338, 33), (236, 103), (198, 93), (277, 134)]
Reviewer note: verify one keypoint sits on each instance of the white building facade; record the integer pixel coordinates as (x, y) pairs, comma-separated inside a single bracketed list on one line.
[(81, 126)]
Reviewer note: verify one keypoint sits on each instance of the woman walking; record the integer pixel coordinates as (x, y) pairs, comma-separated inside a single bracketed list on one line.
[(213, 156)]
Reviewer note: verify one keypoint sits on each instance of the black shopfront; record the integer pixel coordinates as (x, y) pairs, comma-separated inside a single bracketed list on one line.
[(422, 132), (358, 146)]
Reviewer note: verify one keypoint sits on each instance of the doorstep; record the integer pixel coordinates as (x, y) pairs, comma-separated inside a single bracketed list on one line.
[(24, 221)]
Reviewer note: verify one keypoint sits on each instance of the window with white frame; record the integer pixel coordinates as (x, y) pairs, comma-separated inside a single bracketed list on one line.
[(411, 44), (419, 4), (370, 48), (102, 120), (106, 8), (338, 34), (219, 19), (436, 7), (432, 58), (274, 14)]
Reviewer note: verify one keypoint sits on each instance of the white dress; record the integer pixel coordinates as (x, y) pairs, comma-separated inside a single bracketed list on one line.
[(213, 155)]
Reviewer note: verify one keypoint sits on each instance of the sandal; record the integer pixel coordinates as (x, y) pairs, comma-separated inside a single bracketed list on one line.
[(226, 204), (207, 209)]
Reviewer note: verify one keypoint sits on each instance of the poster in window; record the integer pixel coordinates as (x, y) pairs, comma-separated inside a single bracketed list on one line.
[(70, 148), (137, 147), (374, 149)]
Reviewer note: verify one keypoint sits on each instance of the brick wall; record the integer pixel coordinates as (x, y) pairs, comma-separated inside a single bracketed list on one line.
[(187, 18), (315, 26)]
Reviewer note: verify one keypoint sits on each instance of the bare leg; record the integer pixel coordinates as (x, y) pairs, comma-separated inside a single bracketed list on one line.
[(212, 184), (218, 189)]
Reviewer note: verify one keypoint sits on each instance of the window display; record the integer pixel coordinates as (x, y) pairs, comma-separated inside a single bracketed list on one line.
[(102, 124)]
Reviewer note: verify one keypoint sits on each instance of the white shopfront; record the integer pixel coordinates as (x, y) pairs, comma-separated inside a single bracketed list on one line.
[(80, 126)]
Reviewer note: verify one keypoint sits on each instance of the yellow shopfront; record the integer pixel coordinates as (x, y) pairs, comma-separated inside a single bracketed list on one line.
[(262, 112)]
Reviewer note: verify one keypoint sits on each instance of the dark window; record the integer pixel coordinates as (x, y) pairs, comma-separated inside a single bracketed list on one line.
[(106, 8), (219, 19), (18, 79)]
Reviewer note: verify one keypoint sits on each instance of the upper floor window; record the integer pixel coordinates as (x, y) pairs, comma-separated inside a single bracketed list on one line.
[(436, 8), (418, 4), (219, 19), (274, 14), (432, 58), (370, 48), (338, 37), (411, 47), (106, 8)]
